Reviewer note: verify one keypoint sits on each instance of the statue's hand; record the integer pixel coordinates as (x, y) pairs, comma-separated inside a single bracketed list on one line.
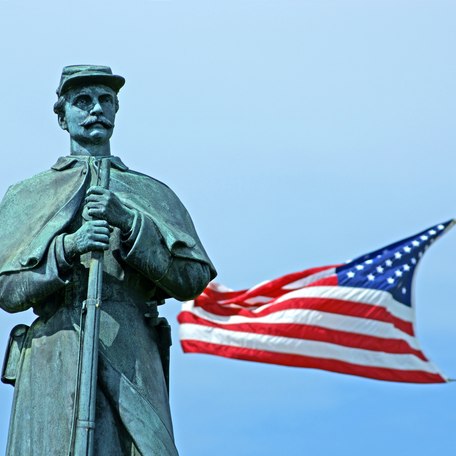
[(105, 205), (93, 235)]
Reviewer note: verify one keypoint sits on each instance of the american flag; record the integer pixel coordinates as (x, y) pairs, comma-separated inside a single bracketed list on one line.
[(354, 318)]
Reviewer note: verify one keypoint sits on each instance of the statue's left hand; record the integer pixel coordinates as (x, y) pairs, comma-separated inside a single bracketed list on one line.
[(105, 205)]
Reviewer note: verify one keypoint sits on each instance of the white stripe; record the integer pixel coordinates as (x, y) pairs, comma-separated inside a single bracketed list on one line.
[(358, 295), (307, 280), (316, 318), (258, 300), (314, 349)]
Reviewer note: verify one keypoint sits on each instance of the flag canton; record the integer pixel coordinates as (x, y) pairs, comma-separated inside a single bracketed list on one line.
[(390, 268)]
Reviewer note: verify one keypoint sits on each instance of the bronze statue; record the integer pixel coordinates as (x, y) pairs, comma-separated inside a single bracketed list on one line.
[(53, 226)]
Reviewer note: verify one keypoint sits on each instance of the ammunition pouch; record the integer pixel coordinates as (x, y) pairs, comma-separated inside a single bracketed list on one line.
[(16, 344)]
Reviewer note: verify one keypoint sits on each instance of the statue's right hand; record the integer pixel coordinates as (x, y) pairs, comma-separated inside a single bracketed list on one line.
[(93, 235)]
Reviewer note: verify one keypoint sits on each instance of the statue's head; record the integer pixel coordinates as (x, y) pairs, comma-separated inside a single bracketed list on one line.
[(87, 102)]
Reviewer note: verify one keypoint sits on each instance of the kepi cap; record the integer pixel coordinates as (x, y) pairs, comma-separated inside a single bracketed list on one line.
[(75, 75)]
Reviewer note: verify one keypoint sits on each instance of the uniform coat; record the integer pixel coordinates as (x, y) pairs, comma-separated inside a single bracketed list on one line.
[(160, 257)]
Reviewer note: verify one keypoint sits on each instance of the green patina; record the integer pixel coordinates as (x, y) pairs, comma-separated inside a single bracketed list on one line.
[(53, 225)]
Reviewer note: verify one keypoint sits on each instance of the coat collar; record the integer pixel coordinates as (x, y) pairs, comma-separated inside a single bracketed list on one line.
[(68, 161)]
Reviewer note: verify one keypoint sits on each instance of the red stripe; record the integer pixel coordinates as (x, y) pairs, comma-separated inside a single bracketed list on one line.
[(275, 286), (219, 295), (271, 288), (204, 299), (334, 306), (379, 373), (308, 332), (330, 281)]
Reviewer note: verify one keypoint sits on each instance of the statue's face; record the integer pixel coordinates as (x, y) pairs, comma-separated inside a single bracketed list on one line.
[(90, 113)]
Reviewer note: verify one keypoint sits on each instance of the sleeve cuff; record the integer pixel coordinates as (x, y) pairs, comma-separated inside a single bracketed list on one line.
[(147, 252), (129, 238), (63, 264)]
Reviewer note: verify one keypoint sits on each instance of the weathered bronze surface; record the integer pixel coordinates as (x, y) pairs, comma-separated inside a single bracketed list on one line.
[(51, 225)]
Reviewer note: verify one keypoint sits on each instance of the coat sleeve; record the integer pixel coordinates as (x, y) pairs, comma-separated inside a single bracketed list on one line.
[(145, 250), (21, 290)]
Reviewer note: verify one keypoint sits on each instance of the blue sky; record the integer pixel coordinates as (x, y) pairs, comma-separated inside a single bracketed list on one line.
[(298, 134)]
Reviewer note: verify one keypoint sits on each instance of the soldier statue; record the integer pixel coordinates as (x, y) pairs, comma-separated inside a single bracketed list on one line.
[(52, 227)]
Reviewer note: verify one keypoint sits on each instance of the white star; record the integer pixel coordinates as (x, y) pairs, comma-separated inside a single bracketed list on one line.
[(407, 249), (415, 243), (350, 274), (388, 262), (420, 254), (390, 280), (369, 261), (413, 260), (432, 232), (359, 267), (441, 227), (424, 237), (398, 273), (380, 269), (406, 267), (371, 277), (397, 255), (404, 290)]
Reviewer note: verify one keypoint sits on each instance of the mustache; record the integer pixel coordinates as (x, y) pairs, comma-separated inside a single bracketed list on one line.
[(90, 120)]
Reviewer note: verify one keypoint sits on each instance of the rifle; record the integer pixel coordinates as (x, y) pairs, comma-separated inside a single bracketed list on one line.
[(83, 430)]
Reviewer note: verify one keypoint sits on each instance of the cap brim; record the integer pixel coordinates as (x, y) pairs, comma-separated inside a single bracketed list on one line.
[(113, 81)]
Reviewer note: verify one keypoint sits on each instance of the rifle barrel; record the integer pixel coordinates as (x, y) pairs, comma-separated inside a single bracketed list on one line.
[(90, 330)]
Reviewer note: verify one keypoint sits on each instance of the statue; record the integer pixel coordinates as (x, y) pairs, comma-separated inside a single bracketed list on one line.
[(52, 226)]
